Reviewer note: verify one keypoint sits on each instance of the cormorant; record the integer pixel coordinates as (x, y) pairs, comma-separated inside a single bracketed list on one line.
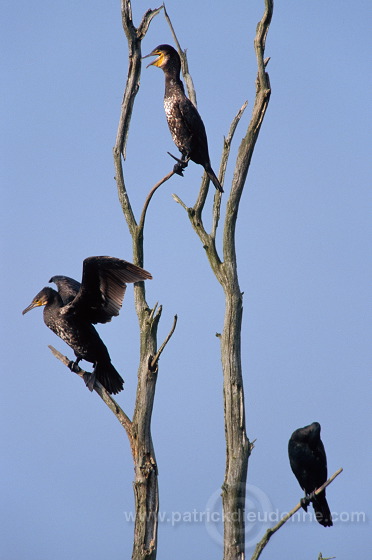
[(309, 465), (70, 312), (184, 121)]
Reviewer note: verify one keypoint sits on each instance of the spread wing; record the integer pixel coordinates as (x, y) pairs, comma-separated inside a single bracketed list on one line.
[(68, 288), (103, 286)]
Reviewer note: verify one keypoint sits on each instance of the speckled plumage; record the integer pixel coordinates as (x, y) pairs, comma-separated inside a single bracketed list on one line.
[(185, 124), (70, 312)]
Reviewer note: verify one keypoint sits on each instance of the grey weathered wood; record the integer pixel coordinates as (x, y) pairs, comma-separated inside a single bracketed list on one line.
[(238, 447), (146, 493)]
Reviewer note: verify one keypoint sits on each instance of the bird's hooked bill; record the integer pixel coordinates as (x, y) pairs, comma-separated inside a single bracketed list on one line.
[(31, 306), (152, 53)]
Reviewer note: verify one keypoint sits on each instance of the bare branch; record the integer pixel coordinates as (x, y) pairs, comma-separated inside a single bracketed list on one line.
[(216, 213), (228, 139), (149, 197), (179, 201), (328, 482), (202, 197), (260, 41), (248, 143), (101, 391), (145, 482), (154, 311), (203, 192), (265, 539), (206, 239), (154, 362), (238, 446), (122, 191), (146, 20), (195, 214), (224, 159), (184, 64), (134, 37)]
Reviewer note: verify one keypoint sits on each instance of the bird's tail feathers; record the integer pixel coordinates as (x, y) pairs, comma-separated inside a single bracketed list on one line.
[(90, 379), (212, 176), (107, 375), (321, 509)]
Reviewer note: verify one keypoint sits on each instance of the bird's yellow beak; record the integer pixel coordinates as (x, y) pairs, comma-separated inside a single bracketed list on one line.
[(158, 61)]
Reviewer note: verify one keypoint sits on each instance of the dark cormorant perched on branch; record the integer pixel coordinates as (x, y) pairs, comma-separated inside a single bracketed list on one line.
[(184, 121), (70, 312), (309, 464)]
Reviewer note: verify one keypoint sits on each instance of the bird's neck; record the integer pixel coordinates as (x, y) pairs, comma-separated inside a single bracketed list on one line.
[(173, 82), (54, 301)]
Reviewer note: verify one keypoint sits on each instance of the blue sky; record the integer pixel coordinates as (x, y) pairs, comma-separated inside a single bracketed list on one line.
[(304, 267)]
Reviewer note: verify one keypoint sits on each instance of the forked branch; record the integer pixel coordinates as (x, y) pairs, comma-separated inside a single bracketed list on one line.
[(134, 37), (238, 447), (246, 149), (155, 360), (145, 467)]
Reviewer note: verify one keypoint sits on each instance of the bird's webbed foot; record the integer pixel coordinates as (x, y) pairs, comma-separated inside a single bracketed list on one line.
[(177, 168), (180, 165), (74, 366), (312, 497)]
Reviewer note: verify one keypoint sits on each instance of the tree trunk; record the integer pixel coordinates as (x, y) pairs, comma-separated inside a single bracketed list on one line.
[(146, 472), (237, 443)]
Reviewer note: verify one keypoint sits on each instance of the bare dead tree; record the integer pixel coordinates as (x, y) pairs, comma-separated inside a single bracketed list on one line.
[(146, 493), (238, 447), (138, 429)]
